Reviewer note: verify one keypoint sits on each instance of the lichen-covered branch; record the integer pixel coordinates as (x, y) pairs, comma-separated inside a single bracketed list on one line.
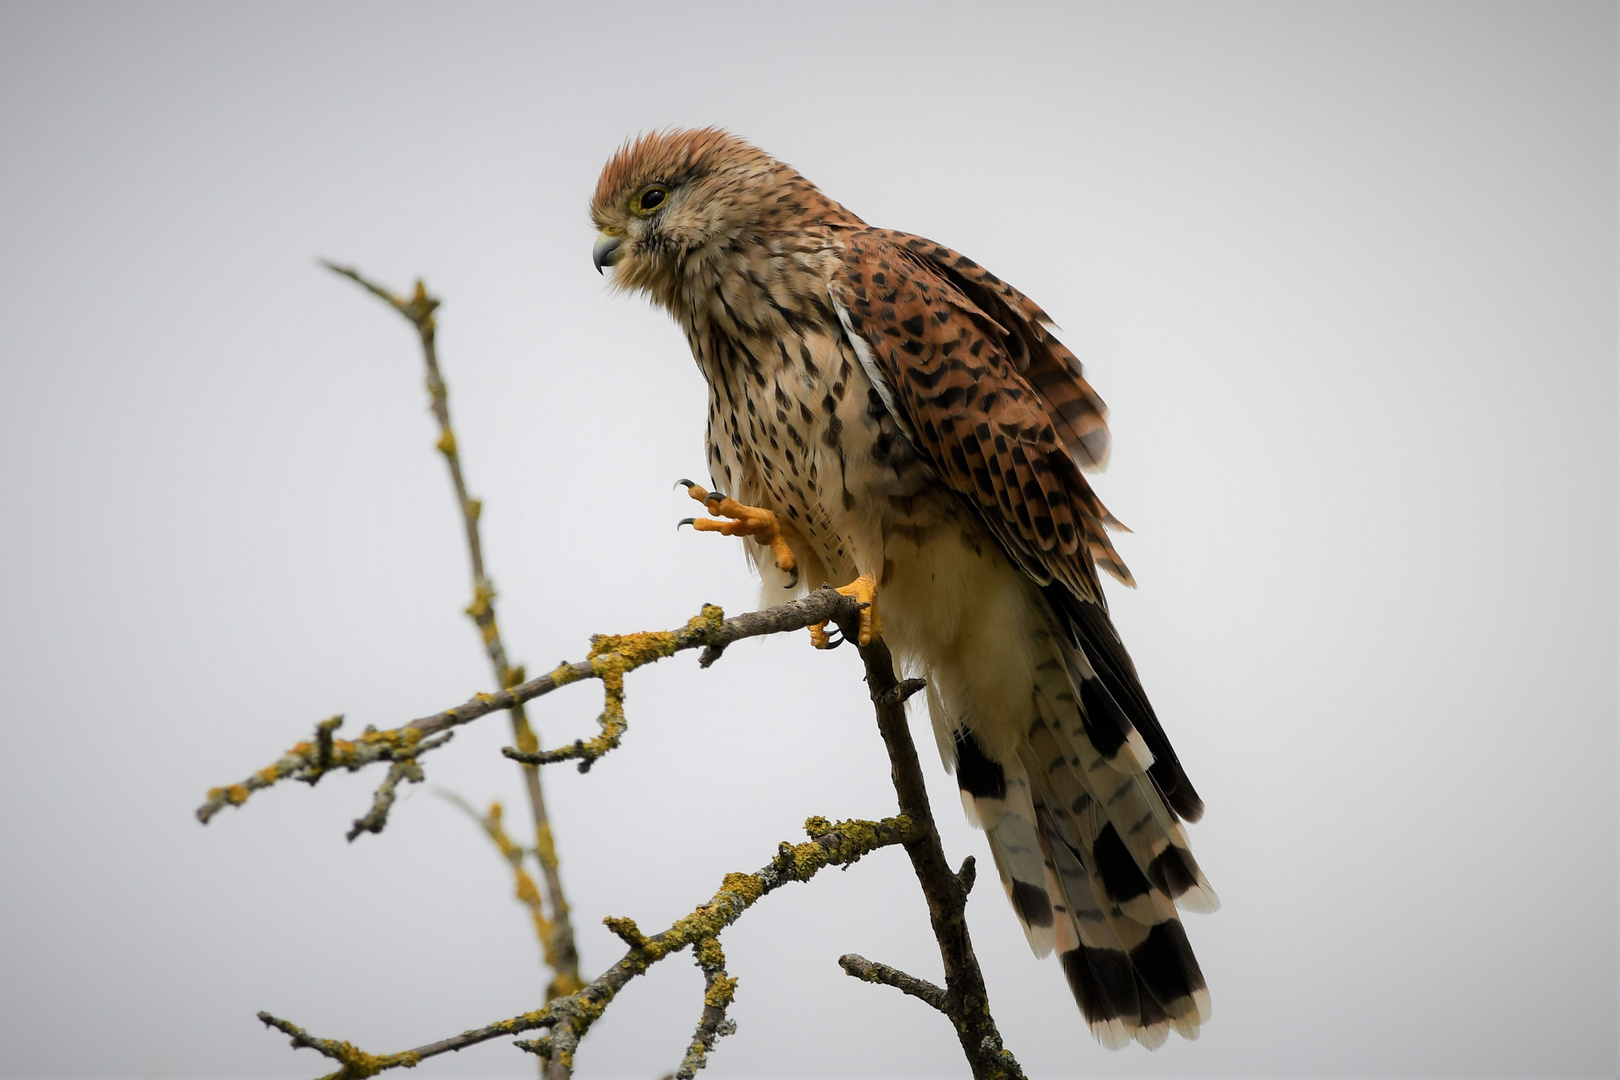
[(570, 1016), (355, 1063), (718, 990), (309, 761), (963, 999), (710, 631), (558, 943), (830, 845), (404, 768)]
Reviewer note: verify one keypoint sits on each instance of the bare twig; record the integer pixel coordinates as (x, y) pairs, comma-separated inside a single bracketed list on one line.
[(561, 954), (872, 971), (966, 1002), (570, 1016)]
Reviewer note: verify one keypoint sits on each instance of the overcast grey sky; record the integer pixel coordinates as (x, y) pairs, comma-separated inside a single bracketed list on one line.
[(1345, 274)]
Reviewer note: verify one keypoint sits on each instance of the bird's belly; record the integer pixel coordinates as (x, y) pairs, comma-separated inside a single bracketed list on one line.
[(957, 612)]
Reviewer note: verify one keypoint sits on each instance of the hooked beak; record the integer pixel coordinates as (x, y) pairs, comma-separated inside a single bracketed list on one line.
[(606, 251)]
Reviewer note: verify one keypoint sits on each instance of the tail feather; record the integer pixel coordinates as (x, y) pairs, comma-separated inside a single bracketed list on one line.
[(997, 800), (1136, 841), (1089, 848), (1015, 845), (1089, 630)]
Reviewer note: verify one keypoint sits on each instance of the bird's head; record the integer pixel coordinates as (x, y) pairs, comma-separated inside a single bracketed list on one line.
[(672, 202)]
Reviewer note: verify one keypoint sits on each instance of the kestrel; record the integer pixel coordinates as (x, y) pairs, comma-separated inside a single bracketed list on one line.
[(887, 416)]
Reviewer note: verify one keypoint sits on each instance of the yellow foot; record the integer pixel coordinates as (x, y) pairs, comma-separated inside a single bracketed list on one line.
[(752, 521), (864, 589)]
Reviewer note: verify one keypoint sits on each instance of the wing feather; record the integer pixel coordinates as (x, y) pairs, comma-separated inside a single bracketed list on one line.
[(951, 375)]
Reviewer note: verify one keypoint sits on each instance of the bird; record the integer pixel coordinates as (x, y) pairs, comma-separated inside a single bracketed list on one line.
[(888, 417)]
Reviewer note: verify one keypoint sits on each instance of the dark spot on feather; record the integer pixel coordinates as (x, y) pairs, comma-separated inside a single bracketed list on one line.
[(1166, 964), (976, 774), (1105, 723), (1120, 874), (1031, 903), (927, 378), (1101, 982), (1170, 872)]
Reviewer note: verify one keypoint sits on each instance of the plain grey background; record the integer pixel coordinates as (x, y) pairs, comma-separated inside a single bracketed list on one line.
[(1345, 274)]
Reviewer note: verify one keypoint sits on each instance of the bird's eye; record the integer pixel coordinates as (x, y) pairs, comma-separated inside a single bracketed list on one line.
[(650, 199)]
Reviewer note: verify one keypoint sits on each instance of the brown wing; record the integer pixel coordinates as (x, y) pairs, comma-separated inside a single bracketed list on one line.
[(949, 370), (1078, 414)]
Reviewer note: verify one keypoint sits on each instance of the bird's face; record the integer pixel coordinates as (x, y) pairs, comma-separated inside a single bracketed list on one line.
[(670, 198)]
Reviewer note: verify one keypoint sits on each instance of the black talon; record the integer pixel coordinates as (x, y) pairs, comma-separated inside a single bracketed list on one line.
[(834, 642), (794, 580), (684, 521), (685, 484)]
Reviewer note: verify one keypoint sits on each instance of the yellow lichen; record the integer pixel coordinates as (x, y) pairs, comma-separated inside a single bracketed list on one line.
[(709, 619), (721, 992), (545, 849), (482, 601), (709, 953), (625, 652), (628, 932), (747, 886)]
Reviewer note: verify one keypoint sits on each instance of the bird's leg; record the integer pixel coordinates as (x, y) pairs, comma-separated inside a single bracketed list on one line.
[(762, 525), (864, 589)]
